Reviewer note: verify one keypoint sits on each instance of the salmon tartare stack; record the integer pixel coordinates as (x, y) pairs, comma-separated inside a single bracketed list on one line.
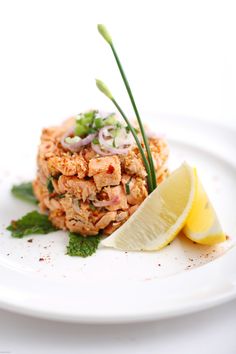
[(91, 177)]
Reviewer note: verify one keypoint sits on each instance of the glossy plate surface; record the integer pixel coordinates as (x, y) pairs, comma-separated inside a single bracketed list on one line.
[(113, 286)]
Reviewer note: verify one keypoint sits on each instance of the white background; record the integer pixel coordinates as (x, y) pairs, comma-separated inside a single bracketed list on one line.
[(180, 58)]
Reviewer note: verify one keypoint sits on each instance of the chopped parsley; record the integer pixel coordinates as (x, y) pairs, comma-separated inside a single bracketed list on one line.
[(99, 123), (92, 207), (31, 223), (49, 184), (127, 187), (24, 191), (82, 246), (127, 128), (90, 122), (95, 141)]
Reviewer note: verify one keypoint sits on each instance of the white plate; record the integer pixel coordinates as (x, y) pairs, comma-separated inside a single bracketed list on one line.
[(113, 286)]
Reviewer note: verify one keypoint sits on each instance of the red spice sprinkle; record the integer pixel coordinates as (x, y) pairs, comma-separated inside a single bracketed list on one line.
[(110, 169), (30, 240), (41, 259)]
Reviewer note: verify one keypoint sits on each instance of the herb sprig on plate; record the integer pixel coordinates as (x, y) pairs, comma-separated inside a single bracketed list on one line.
[(31, 223), (34, 223), (24, 191)]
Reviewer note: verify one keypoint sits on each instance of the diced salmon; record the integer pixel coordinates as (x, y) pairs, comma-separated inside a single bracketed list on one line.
[(138, 191), (106, 219), (52, 203), (39, 189), (111, 228), (133, 208), (114, 192), (88, 153), (68, 165), (78, 219), (122, 216), (57, 217), (106, 171), (133, 165), (82, 178), (82, 189)]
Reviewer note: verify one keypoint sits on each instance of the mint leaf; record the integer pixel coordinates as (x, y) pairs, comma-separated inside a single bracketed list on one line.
[(31, 223), (24, 191), (82, 246)]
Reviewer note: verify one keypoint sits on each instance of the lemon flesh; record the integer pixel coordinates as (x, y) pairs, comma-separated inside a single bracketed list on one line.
[(202, 225), (160, 217)]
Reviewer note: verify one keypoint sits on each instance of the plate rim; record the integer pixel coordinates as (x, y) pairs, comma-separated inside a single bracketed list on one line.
[(129, 318)]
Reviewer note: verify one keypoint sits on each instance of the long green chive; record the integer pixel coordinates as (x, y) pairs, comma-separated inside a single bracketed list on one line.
[(104, 89), (105, 34)]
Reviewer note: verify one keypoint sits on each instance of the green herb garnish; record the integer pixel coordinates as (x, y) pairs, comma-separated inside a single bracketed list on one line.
[(128, 130), (105, 34), (90, 123), (82, 246), (31, 223), (88, 118), (81, 130), (24, 191), (49, 184), (91, 206), (95, 141), (92, 130), (111, 120), (99, 123), (127, 186)]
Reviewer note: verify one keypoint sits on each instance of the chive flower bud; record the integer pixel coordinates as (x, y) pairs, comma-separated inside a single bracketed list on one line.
[(104, 33), (104, 89)]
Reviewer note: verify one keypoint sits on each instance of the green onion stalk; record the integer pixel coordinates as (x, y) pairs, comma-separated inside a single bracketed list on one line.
[(104, 89), (105, 34)]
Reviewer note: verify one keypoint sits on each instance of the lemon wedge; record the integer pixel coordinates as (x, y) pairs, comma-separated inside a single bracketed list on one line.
[(202, 225), (160, 217)]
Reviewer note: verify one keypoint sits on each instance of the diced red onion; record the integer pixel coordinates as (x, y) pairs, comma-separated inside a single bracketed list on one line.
[(99, 151), (109, 151), (104, 203), (108, 147), (75, 147), (124, 138)]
